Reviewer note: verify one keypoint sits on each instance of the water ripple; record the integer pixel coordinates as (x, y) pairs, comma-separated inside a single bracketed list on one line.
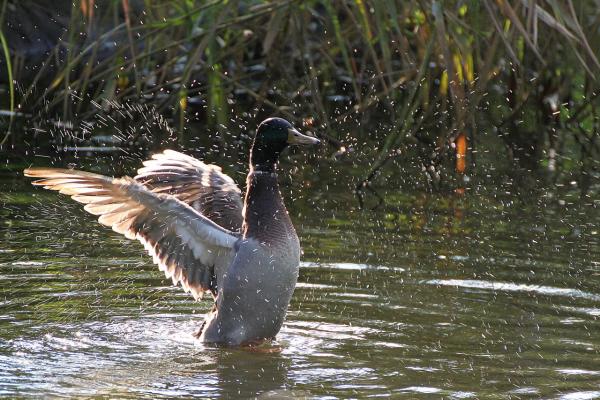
[(514, 287)]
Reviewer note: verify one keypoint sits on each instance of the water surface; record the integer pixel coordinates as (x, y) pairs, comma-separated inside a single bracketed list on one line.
[(433, 296)]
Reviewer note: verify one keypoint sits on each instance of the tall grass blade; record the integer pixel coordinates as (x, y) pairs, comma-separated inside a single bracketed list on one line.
[(337, 28), (582, 34), (500, 30), (511, 14), (11, 86)]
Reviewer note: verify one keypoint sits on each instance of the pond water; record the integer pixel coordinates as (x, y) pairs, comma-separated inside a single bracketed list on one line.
[(432, 296)]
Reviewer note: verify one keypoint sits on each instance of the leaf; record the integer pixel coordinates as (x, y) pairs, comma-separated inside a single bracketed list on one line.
[(11, 84), (551, 21), (364, 18), (461, 152), (582, 35), (87, 9), (510, 13), (444, 83), (458, 67), (500, 30), (273, 29), (469, 68), (337, 28)]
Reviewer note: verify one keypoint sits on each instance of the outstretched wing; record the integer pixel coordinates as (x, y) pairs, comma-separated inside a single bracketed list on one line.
[(203, 186), (185, 244)]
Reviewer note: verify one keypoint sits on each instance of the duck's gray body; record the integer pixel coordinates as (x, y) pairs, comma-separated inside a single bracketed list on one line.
[(257, 287), (191, 219)]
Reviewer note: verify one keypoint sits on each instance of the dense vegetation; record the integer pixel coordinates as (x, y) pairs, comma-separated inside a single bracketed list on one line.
[(423, 79)]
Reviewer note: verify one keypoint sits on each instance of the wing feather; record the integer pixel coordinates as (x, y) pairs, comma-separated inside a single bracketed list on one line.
[(202, 186), (184, 243)]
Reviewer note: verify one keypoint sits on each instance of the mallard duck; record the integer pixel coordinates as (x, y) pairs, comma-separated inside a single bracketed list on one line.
[(190, 217)]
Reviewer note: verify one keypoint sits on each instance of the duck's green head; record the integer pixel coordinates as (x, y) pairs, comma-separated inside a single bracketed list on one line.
[(272, 137)]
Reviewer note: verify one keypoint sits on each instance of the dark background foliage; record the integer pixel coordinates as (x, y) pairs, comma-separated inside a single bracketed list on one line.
[(453, 86)]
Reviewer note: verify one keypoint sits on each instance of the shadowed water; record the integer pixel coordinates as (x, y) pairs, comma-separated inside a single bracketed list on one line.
[(432, 297)]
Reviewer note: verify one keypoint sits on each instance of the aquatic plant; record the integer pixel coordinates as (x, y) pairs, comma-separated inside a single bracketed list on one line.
[(442, 83)]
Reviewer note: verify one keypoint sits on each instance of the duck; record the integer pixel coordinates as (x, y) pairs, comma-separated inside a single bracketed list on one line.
[(192, 220)]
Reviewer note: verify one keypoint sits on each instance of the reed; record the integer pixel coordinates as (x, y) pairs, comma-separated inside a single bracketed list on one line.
[(404, 75)]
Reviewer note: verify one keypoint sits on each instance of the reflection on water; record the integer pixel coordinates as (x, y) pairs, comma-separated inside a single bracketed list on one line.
[(515, 287), (416, 301)]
